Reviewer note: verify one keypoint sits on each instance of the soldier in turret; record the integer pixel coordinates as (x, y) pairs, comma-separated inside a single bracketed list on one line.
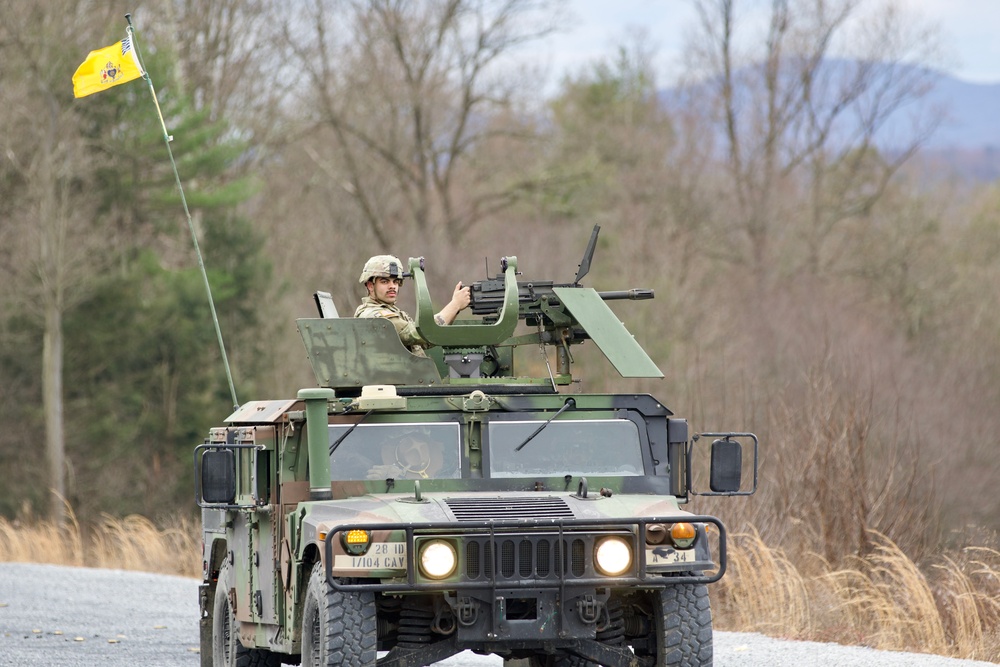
[(383, 277)]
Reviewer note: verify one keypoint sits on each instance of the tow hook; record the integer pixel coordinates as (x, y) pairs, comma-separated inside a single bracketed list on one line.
[(467, 611), (589, 609)]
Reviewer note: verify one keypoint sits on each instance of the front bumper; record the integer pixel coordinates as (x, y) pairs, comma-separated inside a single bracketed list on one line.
[(526, 555)]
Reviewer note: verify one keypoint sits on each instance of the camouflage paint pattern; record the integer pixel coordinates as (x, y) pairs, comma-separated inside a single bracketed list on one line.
[(280, 522)]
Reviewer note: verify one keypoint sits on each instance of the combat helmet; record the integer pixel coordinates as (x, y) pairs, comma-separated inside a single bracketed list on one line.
[(382, 266)]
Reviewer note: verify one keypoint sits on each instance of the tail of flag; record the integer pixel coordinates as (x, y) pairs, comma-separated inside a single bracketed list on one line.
[(111, 66)]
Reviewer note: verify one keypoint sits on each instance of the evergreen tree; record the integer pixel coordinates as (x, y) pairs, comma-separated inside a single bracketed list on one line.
[(142, 371)]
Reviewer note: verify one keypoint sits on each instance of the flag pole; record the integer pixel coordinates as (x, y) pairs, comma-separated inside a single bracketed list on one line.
[(167, 138)]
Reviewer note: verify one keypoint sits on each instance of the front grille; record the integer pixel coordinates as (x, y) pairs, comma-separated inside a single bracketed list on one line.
[(499, 509), (523, 557)]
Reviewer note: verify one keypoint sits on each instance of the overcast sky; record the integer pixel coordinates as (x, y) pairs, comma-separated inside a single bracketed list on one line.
[(969, 32)]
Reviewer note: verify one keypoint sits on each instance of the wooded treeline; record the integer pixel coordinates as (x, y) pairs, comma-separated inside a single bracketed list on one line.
[(814, 283)]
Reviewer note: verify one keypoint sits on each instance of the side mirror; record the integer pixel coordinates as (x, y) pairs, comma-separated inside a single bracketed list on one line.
[(725, 474), (727, 466), (218, 476)]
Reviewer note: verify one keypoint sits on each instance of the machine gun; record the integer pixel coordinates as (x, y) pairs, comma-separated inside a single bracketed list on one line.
[(536, 299), (564, 314)]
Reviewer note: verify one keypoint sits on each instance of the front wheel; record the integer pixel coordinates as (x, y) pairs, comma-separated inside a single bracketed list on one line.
[(338, 627), (227, 651), (683, 626)]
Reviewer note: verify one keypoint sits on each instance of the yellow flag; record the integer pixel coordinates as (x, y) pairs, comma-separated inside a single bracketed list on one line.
[(107, 67)]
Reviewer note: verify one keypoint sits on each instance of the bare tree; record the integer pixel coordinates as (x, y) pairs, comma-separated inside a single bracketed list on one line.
[(813, 118), (229, 60), (410, 90), (56, 251)]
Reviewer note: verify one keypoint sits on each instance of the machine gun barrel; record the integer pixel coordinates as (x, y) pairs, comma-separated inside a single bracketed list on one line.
[(637, 294)]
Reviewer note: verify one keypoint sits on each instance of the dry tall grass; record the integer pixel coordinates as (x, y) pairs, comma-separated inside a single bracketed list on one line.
[(130, 543), (883, 600)]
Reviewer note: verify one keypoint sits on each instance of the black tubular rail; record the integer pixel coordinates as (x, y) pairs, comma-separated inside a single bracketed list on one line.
[(493, 531)]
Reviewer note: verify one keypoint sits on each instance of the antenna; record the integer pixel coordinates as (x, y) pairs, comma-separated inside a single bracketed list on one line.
[(167, 137)]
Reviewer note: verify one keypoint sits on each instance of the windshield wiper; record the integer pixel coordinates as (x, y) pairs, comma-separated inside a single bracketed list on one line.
[(569, 404), (339, 440)]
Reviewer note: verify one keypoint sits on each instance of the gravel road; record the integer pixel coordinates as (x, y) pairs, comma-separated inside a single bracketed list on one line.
[(52, 615)]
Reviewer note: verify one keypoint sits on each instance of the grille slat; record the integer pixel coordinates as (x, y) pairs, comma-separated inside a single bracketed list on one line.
[(524, 558), (527, 557), (544, 564), (507, 558), (577, 559), (525, 507), (472, 568)]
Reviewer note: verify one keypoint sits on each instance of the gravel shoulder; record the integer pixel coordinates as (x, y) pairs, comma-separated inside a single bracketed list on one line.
[(53, 615)]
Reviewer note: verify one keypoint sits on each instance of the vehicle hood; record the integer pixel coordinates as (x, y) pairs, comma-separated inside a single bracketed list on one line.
[(467, 507)]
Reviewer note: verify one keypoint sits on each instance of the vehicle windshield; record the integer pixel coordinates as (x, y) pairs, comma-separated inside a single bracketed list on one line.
[(400, 451), (565, 447)]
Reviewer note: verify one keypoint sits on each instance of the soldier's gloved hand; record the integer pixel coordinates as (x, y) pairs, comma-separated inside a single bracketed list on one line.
[(385, 471)]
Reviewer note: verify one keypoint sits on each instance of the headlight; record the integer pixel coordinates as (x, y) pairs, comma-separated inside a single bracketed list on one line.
[(613, 556), (438, 559)]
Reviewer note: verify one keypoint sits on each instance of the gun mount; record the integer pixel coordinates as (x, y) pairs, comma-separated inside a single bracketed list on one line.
[(562, 315)]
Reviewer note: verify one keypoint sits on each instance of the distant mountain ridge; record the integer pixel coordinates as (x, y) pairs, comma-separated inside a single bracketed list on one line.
[(972, 115), (966, 144)]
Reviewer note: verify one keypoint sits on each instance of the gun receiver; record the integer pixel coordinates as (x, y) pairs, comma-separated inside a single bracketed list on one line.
[(488, 296)]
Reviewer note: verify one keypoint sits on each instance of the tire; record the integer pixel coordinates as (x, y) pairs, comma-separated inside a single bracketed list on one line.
[(683, 627), (227, 651), (338, 627)]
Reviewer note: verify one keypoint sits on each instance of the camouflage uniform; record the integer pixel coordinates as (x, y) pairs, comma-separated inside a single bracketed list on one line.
[(404, 324), (388, 266)]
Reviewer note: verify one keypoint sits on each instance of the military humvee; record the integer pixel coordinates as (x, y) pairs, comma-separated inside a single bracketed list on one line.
[(409, 508)]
